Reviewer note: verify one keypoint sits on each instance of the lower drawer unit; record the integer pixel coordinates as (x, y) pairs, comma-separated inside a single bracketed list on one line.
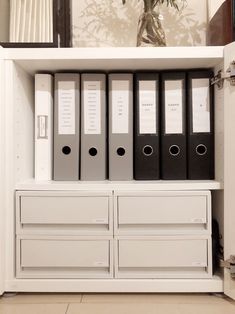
[(155, 213), (163, 257), (77, 213), (64, 257)]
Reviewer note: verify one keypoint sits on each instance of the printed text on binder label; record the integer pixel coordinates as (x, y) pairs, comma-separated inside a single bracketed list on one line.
[(66, 107), (147, 107), (120, 106), (173, 107), (201, 105), (92, 107)]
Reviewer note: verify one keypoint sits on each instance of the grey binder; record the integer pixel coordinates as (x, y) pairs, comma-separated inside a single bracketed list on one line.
[(66, 127), (120, 126), (93, 127)]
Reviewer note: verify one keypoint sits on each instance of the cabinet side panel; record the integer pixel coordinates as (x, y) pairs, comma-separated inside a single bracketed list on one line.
[(23, 123), (2, 178), (229, 171), (219, 129)]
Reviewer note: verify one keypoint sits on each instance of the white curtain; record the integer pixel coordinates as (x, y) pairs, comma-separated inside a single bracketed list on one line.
[(31, 21)]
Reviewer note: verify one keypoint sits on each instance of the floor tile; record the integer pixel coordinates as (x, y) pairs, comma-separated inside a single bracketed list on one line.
[(33, 308), (41, 298), (153, 298), (226, 308), (114, 308)]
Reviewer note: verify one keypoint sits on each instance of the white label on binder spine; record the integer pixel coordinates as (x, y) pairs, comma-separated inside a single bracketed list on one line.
[(66, 107), (173, 107), (92, 107), (147, 107), (201, 105), (120, 106)]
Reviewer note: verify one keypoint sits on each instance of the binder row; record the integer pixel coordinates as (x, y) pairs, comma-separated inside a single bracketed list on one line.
[(146, 126)]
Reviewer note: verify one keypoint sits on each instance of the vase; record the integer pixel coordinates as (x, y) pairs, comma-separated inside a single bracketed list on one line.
[(150, 30)]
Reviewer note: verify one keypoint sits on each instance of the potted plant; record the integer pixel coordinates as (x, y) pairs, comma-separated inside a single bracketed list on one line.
[(150, 30)]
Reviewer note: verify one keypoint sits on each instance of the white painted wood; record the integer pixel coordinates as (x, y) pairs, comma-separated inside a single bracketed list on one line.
[(229, 172), (162, 257), (33, 60), (55, 212), (161, 185), (162, 213), (19, 154), (19, 97), (63, 257), (2, 173), (117, 285)]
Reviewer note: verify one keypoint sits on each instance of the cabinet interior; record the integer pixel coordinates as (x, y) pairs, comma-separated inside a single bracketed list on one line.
[(19, 100)]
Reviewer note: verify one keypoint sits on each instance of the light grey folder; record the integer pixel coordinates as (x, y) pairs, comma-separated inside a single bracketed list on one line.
[(93, 127), (66, 126), (120, 126)]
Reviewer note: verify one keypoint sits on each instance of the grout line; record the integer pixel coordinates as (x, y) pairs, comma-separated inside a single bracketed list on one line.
[(67, 308)]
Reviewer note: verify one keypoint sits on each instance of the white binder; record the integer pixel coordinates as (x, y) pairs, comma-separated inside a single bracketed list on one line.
[(43, 126)]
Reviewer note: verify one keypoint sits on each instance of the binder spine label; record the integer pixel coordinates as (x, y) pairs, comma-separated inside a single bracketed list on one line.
[(201, 105), (42, 127), (147, 107), (66, 107), (120, 106), (92, 107), (173, 107)]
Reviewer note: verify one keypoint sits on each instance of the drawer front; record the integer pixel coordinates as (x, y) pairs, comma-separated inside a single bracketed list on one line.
[(163, 258), (63, 258), (154, 214), (85, 214)]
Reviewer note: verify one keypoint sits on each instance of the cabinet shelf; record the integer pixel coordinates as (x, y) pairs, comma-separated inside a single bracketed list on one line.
[(160, 58), (184, 185)]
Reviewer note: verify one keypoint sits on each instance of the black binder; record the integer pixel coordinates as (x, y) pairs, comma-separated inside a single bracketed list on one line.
[(173, 126), (146, 138), (201, 126)]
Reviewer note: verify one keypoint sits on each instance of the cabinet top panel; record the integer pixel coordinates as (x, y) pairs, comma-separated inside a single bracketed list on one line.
[(76, 59), (107, 185)]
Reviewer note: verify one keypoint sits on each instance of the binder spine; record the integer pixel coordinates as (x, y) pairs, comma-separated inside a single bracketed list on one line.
[(173, 126), (93, 127), (146, 129), (66, 127), (121, 126), (200, 126), (43, 126)]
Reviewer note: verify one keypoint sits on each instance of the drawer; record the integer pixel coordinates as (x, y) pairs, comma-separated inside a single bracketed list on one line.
[(163, 213), (53, 213), (159, 257), (64, 257)]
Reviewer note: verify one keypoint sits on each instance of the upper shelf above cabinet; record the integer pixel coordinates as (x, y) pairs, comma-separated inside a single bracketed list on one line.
[(162, 58)]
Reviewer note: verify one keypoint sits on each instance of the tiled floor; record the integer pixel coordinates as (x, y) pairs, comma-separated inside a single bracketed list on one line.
[(116, 304)]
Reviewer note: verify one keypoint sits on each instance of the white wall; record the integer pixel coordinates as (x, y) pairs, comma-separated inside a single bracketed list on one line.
[(109, 23), (213, 6), (4, 20)]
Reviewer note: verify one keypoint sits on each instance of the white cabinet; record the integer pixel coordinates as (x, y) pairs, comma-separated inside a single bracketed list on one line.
[(163, 257), (76, 213), (2, 174), (163, 212), (131, 214), (64, 257)]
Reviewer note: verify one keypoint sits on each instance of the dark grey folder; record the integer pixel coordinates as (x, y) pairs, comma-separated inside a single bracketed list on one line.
[(66, 127), (93, 127), (173, 122), (200, 125), (120, 126)]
